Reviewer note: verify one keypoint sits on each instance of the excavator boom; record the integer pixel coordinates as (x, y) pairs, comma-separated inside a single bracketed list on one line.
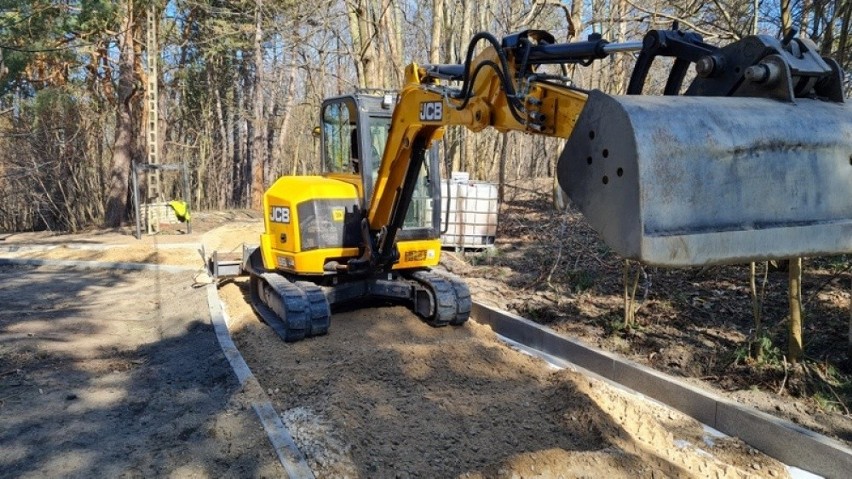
[(753, 161)]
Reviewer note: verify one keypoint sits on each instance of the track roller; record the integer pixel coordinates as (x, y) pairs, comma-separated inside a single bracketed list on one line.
[(293, 311), (441, 300)]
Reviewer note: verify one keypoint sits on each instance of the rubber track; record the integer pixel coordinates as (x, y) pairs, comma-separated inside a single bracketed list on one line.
[(287, 312), (320, 312), (463, 300), (452, 302)]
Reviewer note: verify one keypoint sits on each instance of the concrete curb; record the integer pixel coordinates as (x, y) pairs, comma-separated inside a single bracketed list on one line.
[(285, 448), (97, 265), (778, 438)]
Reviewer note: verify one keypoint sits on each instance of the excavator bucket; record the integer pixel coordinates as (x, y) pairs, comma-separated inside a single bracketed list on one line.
[(698, 180)]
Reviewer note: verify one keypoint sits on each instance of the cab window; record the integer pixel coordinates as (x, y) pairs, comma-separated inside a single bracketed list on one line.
[(419, 214), (340, 137), (379, 127)]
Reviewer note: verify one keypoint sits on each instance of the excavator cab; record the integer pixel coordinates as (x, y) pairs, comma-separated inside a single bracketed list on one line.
[(313, 223), (354, 133)]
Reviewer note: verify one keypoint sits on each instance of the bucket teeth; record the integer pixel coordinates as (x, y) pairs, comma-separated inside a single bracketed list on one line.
[(686, 181)]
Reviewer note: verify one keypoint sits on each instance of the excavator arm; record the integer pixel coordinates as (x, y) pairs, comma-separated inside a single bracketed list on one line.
[(669, 180), (491, 95)]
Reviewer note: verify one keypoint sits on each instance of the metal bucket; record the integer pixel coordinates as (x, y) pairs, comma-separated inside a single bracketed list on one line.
[(687, 181)]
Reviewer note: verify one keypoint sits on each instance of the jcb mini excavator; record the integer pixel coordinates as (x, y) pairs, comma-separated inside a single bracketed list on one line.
[(752, 160)]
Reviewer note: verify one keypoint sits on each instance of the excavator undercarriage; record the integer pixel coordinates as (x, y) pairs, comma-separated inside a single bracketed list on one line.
[(296, 309), (751, 160)]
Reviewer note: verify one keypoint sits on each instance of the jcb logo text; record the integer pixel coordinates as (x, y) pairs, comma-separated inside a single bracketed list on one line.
[(431, 111), (279, 214)]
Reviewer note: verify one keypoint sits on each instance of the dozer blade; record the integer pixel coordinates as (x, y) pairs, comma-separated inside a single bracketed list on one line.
[(687, 181)]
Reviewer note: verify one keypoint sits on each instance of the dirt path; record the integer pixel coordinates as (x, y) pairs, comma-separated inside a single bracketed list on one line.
[(118, 374), (384, 395)]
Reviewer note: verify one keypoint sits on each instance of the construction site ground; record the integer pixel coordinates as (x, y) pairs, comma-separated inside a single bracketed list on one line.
[(109, 372)]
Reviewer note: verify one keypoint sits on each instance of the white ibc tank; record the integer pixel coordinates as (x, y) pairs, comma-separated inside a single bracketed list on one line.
[(472, 219)]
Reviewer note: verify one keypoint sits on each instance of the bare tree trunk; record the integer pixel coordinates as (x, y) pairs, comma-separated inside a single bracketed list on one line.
[(828, 34), (454, 52), (231, 148), (757, 308), (577, 17), (289, 94), (392, 26), (224, 155), (466, 136), (623, 62), (786, 16), (122, 156), (630, 285), (501, 175), (296, 157), (794, 341), (485, 7), (437, 28), (596, 70), (818, 11), (804, 17), (755, 299), (843, 39), (362, 26), (245, 133), (756, 17), (258, 144), (354, 12)]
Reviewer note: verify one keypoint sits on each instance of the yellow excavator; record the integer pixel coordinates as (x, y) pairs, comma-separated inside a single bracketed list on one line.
[(751, 160)]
